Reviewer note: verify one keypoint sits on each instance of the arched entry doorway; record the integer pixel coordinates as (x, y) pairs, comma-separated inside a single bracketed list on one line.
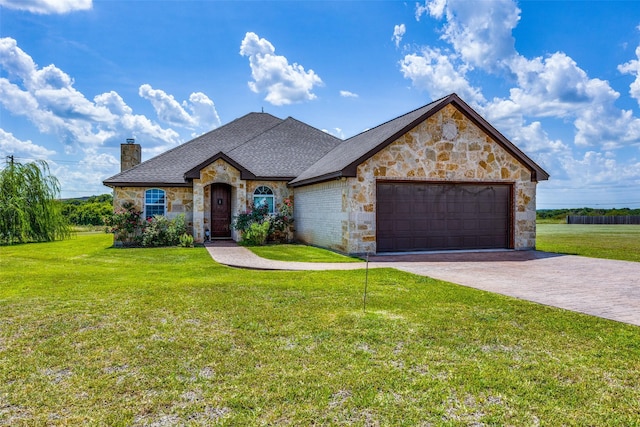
[(220, 210)]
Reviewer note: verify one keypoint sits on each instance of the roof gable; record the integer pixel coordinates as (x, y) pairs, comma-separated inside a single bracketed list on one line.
[(194, 173), (344, 159)]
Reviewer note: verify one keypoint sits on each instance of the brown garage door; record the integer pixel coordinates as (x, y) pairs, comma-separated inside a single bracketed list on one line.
[(426, 216)]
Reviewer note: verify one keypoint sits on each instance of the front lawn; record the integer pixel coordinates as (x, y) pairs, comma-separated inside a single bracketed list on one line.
[(598, 241), (91, 335), (300, 253)]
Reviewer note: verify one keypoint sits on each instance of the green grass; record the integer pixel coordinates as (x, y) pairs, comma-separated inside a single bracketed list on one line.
[(96, 336), (300, 253), (598, 241)]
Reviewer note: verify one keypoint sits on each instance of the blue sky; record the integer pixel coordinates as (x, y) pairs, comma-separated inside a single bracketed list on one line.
[(560, 79)]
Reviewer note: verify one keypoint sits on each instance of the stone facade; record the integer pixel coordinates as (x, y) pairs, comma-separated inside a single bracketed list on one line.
[(179, 200), (220, 172), (195, 203), (461, 153), (341, 214)]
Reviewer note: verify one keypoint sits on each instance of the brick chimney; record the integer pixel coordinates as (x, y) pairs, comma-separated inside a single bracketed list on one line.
[(130, 154)]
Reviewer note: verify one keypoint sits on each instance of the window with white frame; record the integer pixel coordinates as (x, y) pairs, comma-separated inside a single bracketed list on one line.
[(263, 195), (154, 202)]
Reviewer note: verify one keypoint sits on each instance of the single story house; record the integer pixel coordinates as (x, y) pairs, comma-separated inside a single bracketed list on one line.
[(437, 178)]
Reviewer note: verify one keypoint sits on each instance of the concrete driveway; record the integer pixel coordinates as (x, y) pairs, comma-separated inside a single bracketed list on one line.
[(599, 287)]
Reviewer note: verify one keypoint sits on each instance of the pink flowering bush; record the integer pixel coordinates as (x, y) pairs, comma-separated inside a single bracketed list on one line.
[(125, 224)]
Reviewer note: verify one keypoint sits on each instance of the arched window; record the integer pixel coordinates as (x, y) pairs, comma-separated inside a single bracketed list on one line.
[(264, 196), (154, 202)]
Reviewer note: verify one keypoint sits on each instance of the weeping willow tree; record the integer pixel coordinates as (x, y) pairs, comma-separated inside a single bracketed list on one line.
[(29, 209)]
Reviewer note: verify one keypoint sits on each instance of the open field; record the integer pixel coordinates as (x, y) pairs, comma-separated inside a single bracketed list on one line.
[(599, 241), (96, 336)]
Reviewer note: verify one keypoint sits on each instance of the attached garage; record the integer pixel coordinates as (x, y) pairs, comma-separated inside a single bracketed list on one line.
[(428, 216)]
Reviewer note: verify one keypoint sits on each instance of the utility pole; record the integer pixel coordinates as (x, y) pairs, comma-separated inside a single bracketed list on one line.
[(10, 159)]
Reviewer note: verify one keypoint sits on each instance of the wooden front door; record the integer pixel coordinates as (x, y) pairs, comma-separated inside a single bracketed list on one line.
[(220, 210)]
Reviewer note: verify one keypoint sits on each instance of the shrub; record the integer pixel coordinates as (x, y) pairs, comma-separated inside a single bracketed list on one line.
[(278, 222), (186, 240), (130, 230), (124, 224), (161, 231), (256, 234)]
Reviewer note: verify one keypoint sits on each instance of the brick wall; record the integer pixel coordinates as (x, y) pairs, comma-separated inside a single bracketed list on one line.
[(320, 215)]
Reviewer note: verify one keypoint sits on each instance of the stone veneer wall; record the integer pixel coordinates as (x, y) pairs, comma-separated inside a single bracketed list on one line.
[(424, 154), (179, 200), (217, 172), (280, 192), (241, 194)]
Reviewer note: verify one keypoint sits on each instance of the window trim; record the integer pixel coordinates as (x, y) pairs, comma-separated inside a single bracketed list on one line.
[(265, 193), (147, 204)]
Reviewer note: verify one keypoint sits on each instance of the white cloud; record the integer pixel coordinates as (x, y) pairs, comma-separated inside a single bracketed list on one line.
[(10, 145), (633, 67), (480, 32), (347, 94), (85, 177), (167, 108), (398, 33), (435, 8), (48, 6), (547, 90), (556, 87), (48, 98), (203, 112), (126, 124), (435, 72), (272, 74)]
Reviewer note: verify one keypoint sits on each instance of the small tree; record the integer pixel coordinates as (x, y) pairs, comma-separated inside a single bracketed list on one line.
[(29, 209)]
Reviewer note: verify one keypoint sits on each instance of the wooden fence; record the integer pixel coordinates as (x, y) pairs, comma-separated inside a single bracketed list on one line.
[(602, 219)]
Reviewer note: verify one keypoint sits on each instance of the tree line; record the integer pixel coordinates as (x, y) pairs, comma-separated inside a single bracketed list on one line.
[(559, 214), (88, 210)]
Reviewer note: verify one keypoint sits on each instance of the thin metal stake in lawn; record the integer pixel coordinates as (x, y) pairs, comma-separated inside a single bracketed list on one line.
[(366, 281)]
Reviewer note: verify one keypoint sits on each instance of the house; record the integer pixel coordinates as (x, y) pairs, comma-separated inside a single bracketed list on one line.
[(437, 178)]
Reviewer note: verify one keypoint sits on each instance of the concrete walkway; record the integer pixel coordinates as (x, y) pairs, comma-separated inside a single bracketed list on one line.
[(605, 288)]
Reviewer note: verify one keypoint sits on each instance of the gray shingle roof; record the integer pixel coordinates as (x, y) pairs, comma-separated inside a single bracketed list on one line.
[(260, 144), (360, 147), (285, 150), (263, 146), (343, 160)]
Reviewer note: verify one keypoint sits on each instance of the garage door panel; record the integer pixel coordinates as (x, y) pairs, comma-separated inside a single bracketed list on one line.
[(423, 216)]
